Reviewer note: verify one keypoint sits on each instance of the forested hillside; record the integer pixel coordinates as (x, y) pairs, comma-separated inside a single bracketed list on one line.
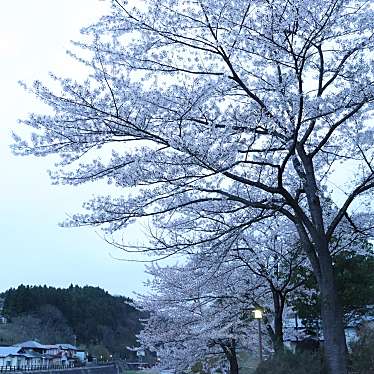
[(87, 315)]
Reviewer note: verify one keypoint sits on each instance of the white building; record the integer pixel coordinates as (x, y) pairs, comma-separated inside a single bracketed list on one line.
[(32, 354), (12, 357)]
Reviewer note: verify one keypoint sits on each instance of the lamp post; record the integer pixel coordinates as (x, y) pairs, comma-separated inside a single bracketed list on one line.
[(258, 316)]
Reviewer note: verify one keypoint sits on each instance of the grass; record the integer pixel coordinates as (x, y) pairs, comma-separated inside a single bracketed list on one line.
[(247, 362)]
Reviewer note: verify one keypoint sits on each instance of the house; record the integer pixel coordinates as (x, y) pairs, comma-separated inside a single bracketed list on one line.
[(68, 353), (81, 355), (52, 349), (12, 357), (32, 354), (31, 346), (297, 335), (68, 348), (37, 360), (35, 353)]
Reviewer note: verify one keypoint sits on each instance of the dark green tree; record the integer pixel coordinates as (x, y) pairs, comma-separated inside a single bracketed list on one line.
[(355, 284), (91, 314)]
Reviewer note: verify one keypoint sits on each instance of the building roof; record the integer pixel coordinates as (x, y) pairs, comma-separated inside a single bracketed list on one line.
[(30, 344), (51, 346), (67, 346), (9, 351)]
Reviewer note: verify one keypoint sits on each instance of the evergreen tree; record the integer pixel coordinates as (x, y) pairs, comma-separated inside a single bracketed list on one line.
[(93, 315)]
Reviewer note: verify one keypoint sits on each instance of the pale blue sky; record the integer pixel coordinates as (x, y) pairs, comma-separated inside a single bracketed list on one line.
[(34, 249)]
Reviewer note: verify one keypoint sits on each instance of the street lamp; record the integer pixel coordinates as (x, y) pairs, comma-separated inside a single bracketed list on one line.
[(258, 316)]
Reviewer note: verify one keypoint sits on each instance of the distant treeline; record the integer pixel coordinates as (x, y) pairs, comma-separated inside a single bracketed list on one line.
[(88, 315)]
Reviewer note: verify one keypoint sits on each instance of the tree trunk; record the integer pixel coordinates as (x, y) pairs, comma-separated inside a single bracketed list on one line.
[(230, 352), (278, 322), (234, 367), (332, 319), (317, 249), (277, 338), (335, 348)]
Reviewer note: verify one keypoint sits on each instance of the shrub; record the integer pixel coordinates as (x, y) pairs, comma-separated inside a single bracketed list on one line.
[(362, 356), (295, 363)]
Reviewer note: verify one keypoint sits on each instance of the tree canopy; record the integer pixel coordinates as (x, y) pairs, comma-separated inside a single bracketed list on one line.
[(211, 116)]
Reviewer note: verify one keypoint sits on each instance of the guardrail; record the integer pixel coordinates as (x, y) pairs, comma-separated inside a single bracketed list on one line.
[(75, 365), (35, 367)]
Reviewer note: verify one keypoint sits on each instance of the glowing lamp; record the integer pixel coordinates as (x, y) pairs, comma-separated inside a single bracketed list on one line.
[(258, 314)]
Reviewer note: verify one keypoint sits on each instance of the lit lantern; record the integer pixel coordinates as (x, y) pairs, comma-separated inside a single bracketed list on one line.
[(258, 314)]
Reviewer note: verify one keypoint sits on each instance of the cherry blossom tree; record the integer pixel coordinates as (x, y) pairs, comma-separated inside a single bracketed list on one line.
[(274, 257), (266, 265), (263, 268), (192, 320), (222, 114), (269, 265)]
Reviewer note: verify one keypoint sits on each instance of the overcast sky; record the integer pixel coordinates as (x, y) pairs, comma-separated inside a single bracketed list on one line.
[(34, 36)]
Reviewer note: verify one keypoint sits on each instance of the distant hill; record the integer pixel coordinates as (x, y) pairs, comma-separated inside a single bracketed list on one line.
[(88, 316)]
